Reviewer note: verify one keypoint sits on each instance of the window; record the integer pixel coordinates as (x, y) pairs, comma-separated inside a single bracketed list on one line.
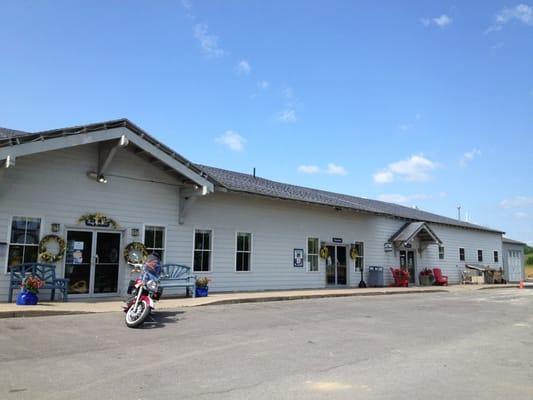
[(359, 255), (312, 254), (244, 252), (202, 251), (480, 255), (441, 252), (496, 256), (461, 254), (154, 240), (24, 240)]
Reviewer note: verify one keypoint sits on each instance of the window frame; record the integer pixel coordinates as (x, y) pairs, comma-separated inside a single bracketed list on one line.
[(496, 256), (442, 256), (463, 257), (250, 252), (210, 250), (478, 254), (8, 238), (307, 254), (360, 257), (165, 231)]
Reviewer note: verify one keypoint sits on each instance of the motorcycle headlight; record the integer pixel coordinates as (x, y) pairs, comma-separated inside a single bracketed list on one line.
[(152, 285)]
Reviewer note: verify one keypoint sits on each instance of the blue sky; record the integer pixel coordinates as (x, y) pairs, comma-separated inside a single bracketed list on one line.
[(422, 104)]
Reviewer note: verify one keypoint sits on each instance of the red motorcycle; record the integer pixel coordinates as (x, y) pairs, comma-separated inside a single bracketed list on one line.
[(144, 291)]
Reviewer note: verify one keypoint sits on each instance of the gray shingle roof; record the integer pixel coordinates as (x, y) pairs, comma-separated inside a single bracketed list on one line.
[(239, 182), (6, 133), (512, 241)]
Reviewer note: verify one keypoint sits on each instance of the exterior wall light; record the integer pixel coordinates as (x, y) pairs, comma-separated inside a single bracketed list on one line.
[(101, 179), (55, 227)]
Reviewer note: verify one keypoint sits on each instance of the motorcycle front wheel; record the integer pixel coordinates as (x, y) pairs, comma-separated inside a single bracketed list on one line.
[(135, 318)]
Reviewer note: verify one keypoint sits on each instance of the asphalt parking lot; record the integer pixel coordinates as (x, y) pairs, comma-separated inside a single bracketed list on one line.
[(471, 345)]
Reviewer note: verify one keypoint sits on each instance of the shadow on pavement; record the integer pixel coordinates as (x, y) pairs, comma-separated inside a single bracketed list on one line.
[(161, 318)]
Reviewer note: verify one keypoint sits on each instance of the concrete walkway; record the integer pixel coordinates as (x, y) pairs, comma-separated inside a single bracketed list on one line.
[(10, 310)]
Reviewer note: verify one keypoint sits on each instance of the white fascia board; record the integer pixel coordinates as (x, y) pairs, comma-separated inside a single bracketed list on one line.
[(78, 139), (57, 143)]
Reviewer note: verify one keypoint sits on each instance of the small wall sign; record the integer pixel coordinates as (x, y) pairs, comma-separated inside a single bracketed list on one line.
[(337, 240), (298, 258), (387, 247)]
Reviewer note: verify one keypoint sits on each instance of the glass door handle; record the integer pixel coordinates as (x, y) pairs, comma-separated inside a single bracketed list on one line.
[(96, 258)]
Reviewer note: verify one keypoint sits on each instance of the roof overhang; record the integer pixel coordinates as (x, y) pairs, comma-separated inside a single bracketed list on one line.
[(415, 230), (97, 133)]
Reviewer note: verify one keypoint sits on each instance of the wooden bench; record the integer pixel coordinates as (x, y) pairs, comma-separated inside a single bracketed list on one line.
[(176, 276), (45, 272)]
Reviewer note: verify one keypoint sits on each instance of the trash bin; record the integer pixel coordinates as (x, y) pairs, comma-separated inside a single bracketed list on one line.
[(375, 277)]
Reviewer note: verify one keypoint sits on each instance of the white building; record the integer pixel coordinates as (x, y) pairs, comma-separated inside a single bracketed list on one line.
[(242, 231)]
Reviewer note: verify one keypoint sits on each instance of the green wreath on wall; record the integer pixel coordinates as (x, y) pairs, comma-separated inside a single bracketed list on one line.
[(52, 248)]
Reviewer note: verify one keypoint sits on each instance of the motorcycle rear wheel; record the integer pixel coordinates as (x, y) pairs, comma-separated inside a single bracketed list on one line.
[(134, 320)]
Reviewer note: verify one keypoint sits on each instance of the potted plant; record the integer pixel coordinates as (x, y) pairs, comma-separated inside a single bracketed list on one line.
[(29, 288), (202, 286), (426, 277)]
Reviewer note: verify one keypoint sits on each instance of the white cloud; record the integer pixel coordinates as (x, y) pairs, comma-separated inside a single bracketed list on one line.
[(263, 85), (334, 169), (497, 46), (469, 156), (520, 215), (406, 127), (232, 140), (243, 68), (383, 177), (517, 202), (403, 199), (522, 13), (441, 21), (308, 169), (287, 116), (417, 168), (187, 4), (331, 169), (208, 42)]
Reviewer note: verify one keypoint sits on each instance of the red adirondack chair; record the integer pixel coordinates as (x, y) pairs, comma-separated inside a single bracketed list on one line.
[(401, 278), (440, 280)]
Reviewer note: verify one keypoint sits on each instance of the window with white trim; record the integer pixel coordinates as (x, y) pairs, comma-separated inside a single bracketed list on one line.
[(24, 240), (202, 250), (441, 252), (496, 256), (480, 255), (243, 257), (461, 254), (154, 240), (312, 254), (359, 255)]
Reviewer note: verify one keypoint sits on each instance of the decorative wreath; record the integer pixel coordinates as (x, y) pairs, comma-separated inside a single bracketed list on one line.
[(135, 253), (51, 256), (98, 219), (324, 252), (354, 253)]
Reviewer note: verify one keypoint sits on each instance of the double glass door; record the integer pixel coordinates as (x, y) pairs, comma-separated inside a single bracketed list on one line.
[(336, 270), (407, 263), (92, 262)]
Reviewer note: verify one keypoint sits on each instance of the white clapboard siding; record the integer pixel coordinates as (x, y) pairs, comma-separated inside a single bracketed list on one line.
[(55, 187)]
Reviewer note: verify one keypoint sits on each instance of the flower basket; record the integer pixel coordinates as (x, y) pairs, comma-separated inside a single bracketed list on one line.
[(426, 277), (26, 298), (202, 291), (202, 287)]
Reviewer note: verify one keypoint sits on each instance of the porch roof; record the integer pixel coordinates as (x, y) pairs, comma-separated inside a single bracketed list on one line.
[(412, 230)]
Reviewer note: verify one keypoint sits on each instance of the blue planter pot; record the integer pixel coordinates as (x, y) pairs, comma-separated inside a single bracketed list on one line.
[(27, 299), (202, 291)]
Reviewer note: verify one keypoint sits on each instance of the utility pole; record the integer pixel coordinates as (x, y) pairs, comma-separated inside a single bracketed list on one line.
[(459, 213)]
